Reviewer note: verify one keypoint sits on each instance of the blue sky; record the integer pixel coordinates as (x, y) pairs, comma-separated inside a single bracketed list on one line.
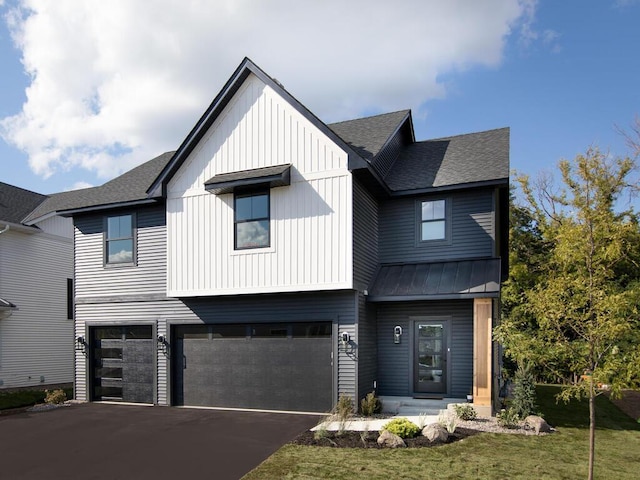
[(110, 88)]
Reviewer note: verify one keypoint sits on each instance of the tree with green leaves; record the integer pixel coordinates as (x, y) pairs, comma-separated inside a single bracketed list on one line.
[(579, 313)]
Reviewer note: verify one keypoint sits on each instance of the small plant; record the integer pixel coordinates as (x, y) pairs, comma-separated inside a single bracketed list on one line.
[(364, 434), (370, 405), (344, 408), (422, 420), (450, 422), (55, 397), (524, 391), (508, 418), (402, 427), (465, 412)]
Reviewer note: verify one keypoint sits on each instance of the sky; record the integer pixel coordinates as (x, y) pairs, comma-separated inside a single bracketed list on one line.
[(90, 89)]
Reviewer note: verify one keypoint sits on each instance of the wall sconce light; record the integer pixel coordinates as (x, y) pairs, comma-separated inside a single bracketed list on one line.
[(81, 344), (397, 333), (163, 344), (344, 339)]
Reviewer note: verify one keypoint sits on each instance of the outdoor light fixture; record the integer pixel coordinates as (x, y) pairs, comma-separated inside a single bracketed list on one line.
[(397, 333), (81, 344), (163, 344), (344, 339)]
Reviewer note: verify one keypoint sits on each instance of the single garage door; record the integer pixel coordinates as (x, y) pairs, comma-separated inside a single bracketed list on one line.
[(284, 366), (122, 364)]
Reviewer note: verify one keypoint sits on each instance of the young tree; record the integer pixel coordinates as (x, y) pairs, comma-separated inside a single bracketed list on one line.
[(584, 307)]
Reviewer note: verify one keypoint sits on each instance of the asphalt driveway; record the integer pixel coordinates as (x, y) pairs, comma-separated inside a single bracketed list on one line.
[(99, 441)]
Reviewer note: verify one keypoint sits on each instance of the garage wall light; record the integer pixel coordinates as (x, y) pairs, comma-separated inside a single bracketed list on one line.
[(81, 344)]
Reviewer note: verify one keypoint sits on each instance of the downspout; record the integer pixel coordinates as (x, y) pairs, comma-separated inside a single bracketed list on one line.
[(8, 313)]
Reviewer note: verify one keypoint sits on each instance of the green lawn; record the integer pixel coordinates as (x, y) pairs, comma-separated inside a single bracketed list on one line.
[(562, 455)]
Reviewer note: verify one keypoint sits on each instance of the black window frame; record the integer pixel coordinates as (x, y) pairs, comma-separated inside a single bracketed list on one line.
[(133, 237), (446, 240), (70, 299), (236, 222)]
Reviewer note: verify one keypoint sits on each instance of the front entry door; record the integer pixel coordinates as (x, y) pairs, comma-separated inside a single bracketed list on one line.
[(430, 357)]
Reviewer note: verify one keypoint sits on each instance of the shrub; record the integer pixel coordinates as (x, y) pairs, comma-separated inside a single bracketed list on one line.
[(370, 405), (523, 402), (508, 418), (344, 407), (55, 397), (402, 427), (464, 411)]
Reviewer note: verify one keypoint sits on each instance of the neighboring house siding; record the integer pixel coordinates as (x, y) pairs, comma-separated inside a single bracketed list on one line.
[(310, 219), (59, 226), (36, 341), (472, 229), (394, 360), (147, 277)]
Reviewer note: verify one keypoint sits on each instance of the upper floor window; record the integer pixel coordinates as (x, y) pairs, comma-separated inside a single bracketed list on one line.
[(119, 240), (251, 220), (433, 220)]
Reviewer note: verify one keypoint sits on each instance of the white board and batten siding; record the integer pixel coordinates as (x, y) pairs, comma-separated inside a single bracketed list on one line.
[(36, 340), (311, 219)]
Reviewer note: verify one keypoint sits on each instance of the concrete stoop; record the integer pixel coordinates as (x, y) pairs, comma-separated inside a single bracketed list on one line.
[(409, 406)]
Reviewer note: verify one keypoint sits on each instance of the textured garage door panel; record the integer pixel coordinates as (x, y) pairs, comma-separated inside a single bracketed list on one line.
[(281, 373), (122, 364)]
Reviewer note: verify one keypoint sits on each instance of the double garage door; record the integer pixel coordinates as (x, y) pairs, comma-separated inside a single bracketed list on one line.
[(276, 366), (285, 366)]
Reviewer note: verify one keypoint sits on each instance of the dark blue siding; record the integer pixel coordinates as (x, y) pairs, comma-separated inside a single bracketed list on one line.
[(394, 360), (472, 229)]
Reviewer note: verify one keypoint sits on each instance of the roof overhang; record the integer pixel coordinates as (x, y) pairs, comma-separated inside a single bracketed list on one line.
[(461, 279), (266, 177), (499, 182), (108, 206)]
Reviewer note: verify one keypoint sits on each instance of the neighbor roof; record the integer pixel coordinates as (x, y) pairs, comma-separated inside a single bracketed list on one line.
[(462, 159), (16, 203), (130, 187)]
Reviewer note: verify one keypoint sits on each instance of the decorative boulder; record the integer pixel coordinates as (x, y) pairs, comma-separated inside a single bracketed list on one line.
[(435, 433), (537, 423), (391, 440)]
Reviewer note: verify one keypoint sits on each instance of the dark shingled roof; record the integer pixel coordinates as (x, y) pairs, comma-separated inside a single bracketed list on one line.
[(437, 281), (368, 135), (470, 158), (128, 187), (16, 203)]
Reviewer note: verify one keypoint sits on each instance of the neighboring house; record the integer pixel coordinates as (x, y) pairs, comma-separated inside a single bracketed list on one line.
[(36, 293), (276, 262)]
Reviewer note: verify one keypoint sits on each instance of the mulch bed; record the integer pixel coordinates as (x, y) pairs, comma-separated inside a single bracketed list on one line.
[(349, 439)]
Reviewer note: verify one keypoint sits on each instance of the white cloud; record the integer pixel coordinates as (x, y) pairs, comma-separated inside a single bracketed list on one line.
[(79, 186), (116, 83)]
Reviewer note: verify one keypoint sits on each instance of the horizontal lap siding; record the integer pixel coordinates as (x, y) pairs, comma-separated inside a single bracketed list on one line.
[(148, 276), (365, 261), (394, 360), (472, 229), (37, 339)]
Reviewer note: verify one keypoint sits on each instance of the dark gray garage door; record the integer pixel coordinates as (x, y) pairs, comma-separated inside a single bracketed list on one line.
[(262, 366), (122, 364)]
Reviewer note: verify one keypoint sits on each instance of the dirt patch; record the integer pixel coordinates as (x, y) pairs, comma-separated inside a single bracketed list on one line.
[(349, 439), (629, 403)]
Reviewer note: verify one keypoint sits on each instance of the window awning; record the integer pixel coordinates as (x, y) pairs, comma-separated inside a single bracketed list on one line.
[(6, 304), (437, 281), (267, 177)]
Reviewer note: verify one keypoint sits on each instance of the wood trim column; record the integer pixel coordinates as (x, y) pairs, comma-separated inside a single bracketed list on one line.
[(482, 351)]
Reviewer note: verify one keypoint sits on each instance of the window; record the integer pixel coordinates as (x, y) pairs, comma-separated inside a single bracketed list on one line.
[(251, 220), (69, 299), (119, 244), (433, 220)]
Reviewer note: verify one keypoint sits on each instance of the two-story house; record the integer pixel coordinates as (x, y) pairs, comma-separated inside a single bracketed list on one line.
[(275, 262), (36, 293)]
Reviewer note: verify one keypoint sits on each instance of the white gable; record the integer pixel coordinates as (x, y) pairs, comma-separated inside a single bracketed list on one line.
[(310, 220)]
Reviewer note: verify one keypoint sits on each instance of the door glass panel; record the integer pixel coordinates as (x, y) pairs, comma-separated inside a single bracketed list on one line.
[(431, 358)]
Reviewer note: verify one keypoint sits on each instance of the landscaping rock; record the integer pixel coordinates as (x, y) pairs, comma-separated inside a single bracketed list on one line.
[(435, 433), (537, 423), (388, 439)]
